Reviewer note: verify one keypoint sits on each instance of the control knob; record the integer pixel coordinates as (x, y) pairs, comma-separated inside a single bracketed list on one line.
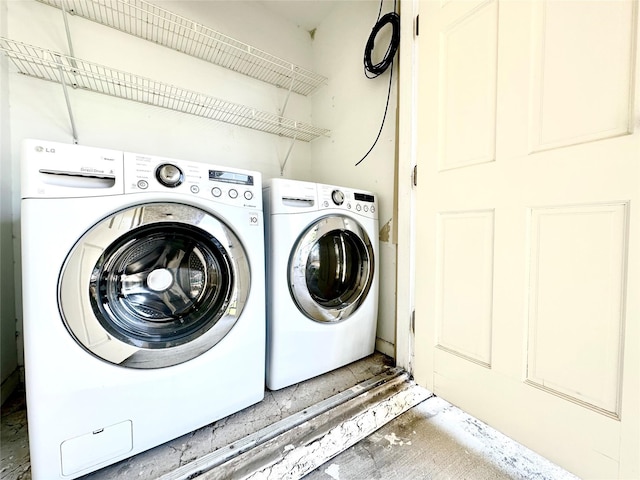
[(338, 197), (169, 175)]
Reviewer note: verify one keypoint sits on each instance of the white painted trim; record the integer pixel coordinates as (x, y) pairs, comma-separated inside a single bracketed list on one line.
[(407, 123), (386, 347)]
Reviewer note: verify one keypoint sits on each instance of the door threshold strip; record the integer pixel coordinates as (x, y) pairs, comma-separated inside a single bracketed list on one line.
[(316, 434)]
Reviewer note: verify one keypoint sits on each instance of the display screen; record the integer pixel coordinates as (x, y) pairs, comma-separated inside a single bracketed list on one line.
[(231, 177), (363, 197)]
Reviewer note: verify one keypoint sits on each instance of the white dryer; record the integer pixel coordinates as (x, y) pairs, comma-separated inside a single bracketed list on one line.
[(143, 293), (322, 278)]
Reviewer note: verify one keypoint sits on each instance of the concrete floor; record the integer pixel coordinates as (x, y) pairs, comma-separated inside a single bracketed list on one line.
[(433, 440), (153, 463)]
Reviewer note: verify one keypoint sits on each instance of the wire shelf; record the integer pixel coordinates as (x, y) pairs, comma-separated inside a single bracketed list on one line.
[(153, 23), (56, 67)]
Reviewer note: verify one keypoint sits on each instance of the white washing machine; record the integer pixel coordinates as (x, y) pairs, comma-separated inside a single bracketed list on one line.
[(144, 306), (322, 278)]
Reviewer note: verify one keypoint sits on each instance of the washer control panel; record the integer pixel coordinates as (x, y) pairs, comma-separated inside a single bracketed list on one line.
[(228, 185), (359, 202)]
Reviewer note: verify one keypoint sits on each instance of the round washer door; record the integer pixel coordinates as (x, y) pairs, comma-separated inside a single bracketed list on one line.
[(331, 268), (154, 285)]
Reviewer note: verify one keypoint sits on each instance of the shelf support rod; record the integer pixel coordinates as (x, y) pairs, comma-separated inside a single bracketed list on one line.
[(66, 27), (66, 97), (288, 153), (73, 64), (286, 101)]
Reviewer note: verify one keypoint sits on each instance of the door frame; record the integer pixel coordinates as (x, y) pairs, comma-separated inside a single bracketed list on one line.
[(406, 161)]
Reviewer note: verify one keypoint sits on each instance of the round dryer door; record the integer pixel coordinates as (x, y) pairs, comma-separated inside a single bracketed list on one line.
[(154, 285), (331, 268)]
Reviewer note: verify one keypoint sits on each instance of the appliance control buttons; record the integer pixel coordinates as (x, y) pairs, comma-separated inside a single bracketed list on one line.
[(338, 197), (366, 209), (325, 204), (358, 207), (143, 184), (349, 206), (248, 195), (373, 209), (169, 175), (195, 188), (216, 192), (233, 193)]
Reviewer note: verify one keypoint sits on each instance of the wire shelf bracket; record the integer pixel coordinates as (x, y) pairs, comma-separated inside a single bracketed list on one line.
[(150, 22), (286, 157), (56, 67), (74, 132)]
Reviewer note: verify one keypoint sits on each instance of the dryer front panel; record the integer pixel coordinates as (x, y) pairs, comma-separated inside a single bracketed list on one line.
[(331, 268), (154, 285)]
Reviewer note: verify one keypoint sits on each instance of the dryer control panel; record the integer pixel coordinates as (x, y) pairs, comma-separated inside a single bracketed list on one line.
[(359, 202), (227, 185)]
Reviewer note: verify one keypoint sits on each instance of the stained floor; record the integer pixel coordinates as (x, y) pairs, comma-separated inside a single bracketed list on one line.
[(153, 463), (433, 440), (437, 441)]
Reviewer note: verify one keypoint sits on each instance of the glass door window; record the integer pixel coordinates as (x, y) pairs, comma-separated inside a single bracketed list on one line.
[(154, 285), (331, 269)]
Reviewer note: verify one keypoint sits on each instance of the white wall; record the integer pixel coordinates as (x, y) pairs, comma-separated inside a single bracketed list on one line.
[(352, 106), (8, 345)]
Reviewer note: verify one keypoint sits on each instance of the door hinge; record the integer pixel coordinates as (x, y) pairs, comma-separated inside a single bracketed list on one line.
[(417, 25), (414, 176), (413, 321)]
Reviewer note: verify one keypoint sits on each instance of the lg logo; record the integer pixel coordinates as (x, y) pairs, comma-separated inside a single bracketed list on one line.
[(40, 149)]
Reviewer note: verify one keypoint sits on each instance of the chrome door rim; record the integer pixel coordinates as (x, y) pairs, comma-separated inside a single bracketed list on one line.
[(336, 309), (108, 330)]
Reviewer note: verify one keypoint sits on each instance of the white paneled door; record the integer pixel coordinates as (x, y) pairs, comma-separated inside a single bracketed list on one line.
[(528, 223)]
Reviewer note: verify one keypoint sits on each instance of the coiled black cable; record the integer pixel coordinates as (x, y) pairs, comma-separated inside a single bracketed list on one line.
[(373, 71)]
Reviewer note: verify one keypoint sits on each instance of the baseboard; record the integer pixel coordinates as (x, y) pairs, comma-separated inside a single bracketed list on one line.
[(388, 348)]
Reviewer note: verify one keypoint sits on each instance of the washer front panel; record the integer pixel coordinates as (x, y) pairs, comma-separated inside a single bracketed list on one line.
[(331, 268), (154, 285)]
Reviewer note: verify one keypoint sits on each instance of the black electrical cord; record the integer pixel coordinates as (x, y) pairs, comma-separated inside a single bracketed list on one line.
[(373, 71)]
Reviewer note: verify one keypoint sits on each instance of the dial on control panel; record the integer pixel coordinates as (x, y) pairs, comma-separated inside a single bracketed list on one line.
[(169, 175), (338, 197)]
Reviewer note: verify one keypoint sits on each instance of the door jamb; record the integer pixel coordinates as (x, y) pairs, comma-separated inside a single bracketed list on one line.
[(407, 159)]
